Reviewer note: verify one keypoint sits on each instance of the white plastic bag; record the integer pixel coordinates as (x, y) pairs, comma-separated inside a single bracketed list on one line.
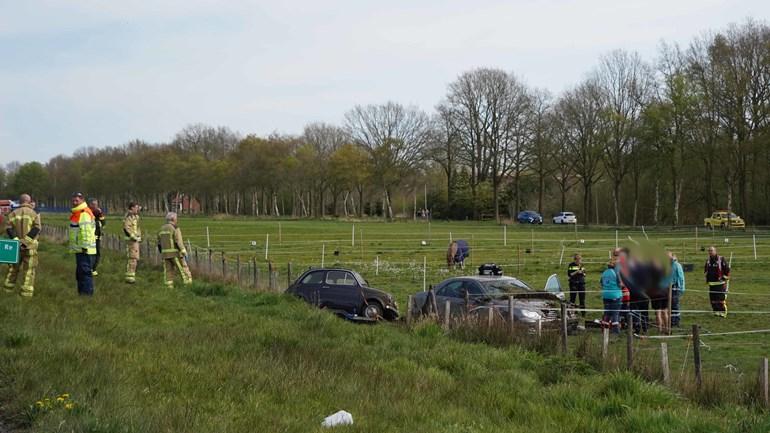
[(339, 418)]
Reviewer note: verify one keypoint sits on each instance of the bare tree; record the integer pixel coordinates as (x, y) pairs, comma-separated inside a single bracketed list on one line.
[(489, 109), (324, 139), (625, 84), (580, 113), (396, 138)]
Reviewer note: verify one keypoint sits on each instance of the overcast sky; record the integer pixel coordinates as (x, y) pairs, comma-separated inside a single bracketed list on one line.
[(80, 73)]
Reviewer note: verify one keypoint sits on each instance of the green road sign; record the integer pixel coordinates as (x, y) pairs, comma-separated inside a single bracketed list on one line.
[(9, 251)]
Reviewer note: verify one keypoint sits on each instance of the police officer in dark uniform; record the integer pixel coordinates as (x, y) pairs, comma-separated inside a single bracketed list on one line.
[(577, 282), (100, 221)]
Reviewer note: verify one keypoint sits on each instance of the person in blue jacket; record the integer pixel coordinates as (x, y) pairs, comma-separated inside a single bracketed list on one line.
[(612, 296), (677, 288)]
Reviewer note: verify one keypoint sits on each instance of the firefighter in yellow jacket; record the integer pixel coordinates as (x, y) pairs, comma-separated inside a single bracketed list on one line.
[(24, 226), (171, 247), (133, 237)]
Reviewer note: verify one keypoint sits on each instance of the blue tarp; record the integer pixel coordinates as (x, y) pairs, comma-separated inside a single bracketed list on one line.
[(463, 250)]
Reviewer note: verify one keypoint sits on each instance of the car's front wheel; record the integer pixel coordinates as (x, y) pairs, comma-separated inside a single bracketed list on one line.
[(373, 310)]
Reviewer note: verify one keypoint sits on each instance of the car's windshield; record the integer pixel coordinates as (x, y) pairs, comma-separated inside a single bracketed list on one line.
[(505, 286), (360, 278), (732, 215)]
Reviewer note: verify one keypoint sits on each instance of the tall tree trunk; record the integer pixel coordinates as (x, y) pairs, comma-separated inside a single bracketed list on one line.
[(657, 202)]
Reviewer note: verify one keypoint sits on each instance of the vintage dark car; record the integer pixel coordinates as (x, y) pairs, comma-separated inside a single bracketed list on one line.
[(345, 292), (478, 293)]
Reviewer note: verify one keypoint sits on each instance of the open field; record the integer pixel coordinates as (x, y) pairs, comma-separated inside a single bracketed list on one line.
[(215, 358), (390, 256)]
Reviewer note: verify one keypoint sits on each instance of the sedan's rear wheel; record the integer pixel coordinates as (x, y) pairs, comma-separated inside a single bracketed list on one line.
[(373, 310)]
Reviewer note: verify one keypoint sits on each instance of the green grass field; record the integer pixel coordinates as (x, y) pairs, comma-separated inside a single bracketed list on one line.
[(215, 357), (391, 256)]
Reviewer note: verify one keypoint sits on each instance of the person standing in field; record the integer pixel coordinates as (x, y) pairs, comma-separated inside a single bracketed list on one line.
[(171, 247), (717, 273), (677, 288), (100, 223), (612, 297), (133, 237), (576, 274), (82, 242), (24, 226)]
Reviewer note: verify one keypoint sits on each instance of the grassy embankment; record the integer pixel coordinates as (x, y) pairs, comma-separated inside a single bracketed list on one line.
[(213, 358)]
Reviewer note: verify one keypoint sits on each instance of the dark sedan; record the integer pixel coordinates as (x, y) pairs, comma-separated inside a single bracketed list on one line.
[(344, 292), (476, 294)]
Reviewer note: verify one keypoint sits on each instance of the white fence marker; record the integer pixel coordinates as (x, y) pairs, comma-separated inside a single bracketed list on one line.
[(377, 265), (616, 238), (561, 257), (323, 254), (424, 273), (267, 244), (208, 239), (353, 236), (450, 237), (645, 234), (755, 246), (505, 235)]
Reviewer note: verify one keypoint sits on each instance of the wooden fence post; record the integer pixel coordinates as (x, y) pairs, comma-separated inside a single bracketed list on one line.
[(630, 341), (511, 315), (564, 348), (196, 258), (238, 265), (288, 275), (696, 354), (447, 309), (765, 383), (255, 273), (211, 263), (605, 344), (490, 317), (224, 266), (664, 363), (409, 302), (271, 279)]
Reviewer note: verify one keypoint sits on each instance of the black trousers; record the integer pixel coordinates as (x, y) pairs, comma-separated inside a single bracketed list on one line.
[(718, 297), (578, 291), (639, 306), (95, 258)]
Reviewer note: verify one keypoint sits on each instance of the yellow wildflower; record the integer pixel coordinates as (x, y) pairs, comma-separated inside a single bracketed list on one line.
[(69, 406)]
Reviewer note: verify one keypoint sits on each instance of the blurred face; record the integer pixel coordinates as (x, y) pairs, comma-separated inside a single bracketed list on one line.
[(76, 201), (578, 258), (134, 210), (94, 204), (712, 252)]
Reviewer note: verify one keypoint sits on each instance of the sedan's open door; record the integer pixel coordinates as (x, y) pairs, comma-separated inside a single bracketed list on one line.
[(552, 285)]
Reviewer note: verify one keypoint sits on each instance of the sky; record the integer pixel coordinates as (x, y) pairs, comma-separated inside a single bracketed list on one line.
[(95, 73)]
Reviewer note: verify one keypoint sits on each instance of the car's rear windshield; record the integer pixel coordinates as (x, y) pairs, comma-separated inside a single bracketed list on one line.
[(568, 214), (732, 215), (505, 286)]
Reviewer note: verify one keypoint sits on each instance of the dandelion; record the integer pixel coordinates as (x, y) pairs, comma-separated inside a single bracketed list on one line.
[(65, 396), (59, 399), (69, 406), (39, 403)]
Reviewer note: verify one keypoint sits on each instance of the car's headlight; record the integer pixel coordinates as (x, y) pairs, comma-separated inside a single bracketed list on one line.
[(529, 314)]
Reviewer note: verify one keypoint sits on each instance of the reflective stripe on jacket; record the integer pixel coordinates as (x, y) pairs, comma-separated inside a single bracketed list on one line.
[(82, 231), (24, 224), (170, 242), (131, 228)]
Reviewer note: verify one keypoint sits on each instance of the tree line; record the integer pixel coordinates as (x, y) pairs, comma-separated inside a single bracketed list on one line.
[(665, 141)]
